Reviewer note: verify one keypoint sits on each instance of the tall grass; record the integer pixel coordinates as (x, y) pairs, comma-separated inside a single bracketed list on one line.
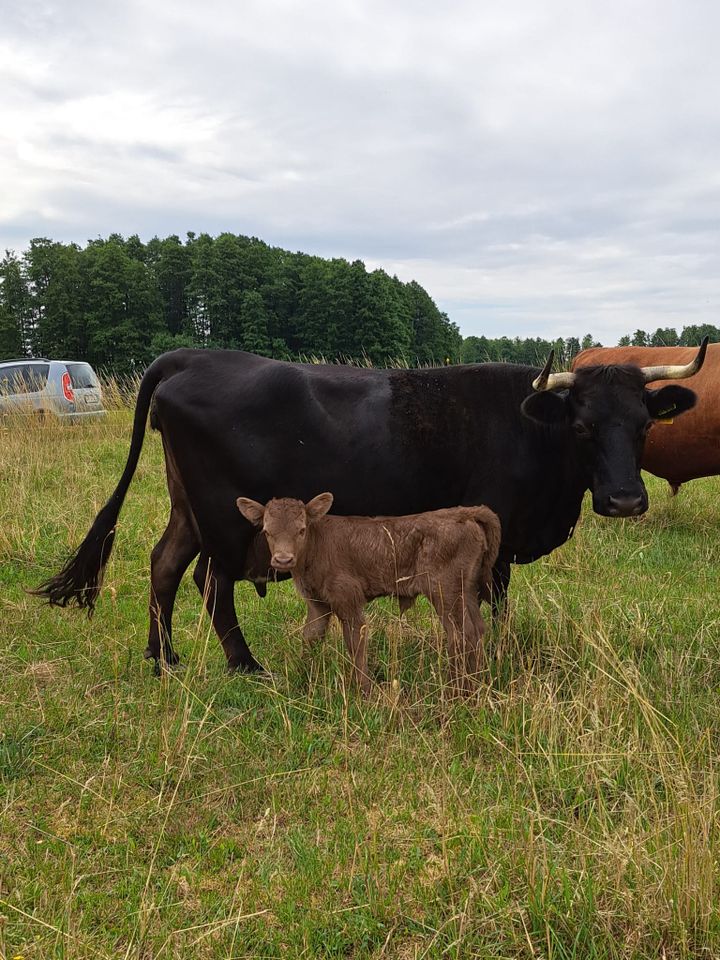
[(566, 810)]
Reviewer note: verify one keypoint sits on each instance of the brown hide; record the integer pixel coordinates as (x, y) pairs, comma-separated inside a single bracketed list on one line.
[(341, 563), (689, 447)]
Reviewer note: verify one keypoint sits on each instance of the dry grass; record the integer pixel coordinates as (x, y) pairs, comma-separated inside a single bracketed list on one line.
[(568, 809)]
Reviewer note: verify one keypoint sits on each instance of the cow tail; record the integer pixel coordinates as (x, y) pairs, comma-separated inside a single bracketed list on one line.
[(490, 523), (79, 581)]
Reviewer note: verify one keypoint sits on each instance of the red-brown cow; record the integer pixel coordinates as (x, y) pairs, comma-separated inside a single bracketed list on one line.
[(338, 564), (677, 450)]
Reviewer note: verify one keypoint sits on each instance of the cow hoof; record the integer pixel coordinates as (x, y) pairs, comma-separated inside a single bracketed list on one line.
[(171, 659), (160, 667), (261, 675), (171, 662), (254, 669)]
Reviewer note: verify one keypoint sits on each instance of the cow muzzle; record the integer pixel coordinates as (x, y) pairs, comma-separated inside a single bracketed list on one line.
[(626, 506), (283, 561), (621, 503)]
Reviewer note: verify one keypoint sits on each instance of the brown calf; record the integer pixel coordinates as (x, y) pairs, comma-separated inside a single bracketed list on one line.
[(339, 563)]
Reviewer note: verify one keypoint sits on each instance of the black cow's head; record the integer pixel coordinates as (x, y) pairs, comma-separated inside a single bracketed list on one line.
[(608, 411)]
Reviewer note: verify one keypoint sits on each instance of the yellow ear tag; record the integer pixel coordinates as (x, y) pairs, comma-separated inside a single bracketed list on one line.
[(664, 421)]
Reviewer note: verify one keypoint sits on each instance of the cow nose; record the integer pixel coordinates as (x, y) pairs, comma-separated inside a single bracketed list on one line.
[(625, 506), (283, 561)]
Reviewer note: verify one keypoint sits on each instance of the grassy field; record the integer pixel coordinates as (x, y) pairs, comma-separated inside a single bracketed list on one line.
[(568, 810)]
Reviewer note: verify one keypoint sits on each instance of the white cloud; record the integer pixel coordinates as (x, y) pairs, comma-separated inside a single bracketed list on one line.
[(540, 168)]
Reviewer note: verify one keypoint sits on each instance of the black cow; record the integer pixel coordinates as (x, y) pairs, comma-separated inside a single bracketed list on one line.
[(525, 442)]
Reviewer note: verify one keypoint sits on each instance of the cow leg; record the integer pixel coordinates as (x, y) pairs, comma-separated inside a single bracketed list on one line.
[(217, 592), (169, 560), (316, 623), (500, 583), (355, 633)]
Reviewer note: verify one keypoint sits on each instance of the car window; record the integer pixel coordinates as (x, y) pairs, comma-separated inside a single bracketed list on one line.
[(81, 375), (23, 378)]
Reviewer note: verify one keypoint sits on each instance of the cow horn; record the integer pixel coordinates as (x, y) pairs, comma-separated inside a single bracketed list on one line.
[(677, 372), (552, 381)]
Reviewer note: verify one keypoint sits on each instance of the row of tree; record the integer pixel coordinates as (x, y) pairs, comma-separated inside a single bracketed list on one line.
[(691, 336), (535, 351), (117, 303)]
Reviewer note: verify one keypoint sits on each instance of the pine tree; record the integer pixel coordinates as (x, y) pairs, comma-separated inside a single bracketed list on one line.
[(254, 332), (13, 309)]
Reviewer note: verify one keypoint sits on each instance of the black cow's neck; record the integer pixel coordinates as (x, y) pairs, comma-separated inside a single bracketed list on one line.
[(540, 483), (548, 516)]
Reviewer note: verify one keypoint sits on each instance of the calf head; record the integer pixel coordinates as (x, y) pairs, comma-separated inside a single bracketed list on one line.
[(284, 523), (608, 411)]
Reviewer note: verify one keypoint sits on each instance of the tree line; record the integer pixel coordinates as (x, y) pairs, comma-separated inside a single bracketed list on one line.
[(119, 302), (531, 350), (690, 336), (534, 351)]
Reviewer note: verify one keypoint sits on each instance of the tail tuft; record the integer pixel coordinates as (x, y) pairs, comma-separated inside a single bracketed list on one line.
[(78, 583)]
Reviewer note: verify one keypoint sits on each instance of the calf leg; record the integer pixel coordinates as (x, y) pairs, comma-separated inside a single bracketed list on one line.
[(169, 560), (459, 617), (317, 622), (217, 592), (355, 633), (474, 625)]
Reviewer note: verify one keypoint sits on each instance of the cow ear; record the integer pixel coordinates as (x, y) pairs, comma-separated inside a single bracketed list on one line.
[(669, 402), (319, 505), (545, 407), (251, 510)]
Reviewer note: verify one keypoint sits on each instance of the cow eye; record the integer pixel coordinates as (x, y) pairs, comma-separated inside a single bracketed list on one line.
[(582, 431)]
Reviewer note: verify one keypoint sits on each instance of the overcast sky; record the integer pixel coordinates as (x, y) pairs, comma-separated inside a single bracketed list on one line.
[(541, 167)]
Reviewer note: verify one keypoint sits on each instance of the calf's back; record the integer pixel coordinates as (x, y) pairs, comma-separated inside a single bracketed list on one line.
[(398, 554)]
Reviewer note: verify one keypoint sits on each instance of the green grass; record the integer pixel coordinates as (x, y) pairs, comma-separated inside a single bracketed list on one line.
[(567, 810)]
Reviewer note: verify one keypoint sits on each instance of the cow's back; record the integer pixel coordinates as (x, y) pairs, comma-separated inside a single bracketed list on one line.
[(686, 448), (383, 441), (238, 424)]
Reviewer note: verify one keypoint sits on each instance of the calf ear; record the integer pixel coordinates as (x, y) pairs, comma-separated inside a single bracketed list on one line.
[(319, 505), (545, 407), (251, 510), (669, 401)]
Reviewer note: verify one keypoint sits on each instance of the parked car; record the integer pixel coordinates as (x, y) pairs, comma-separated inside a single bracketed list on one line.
[(65, 389)]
